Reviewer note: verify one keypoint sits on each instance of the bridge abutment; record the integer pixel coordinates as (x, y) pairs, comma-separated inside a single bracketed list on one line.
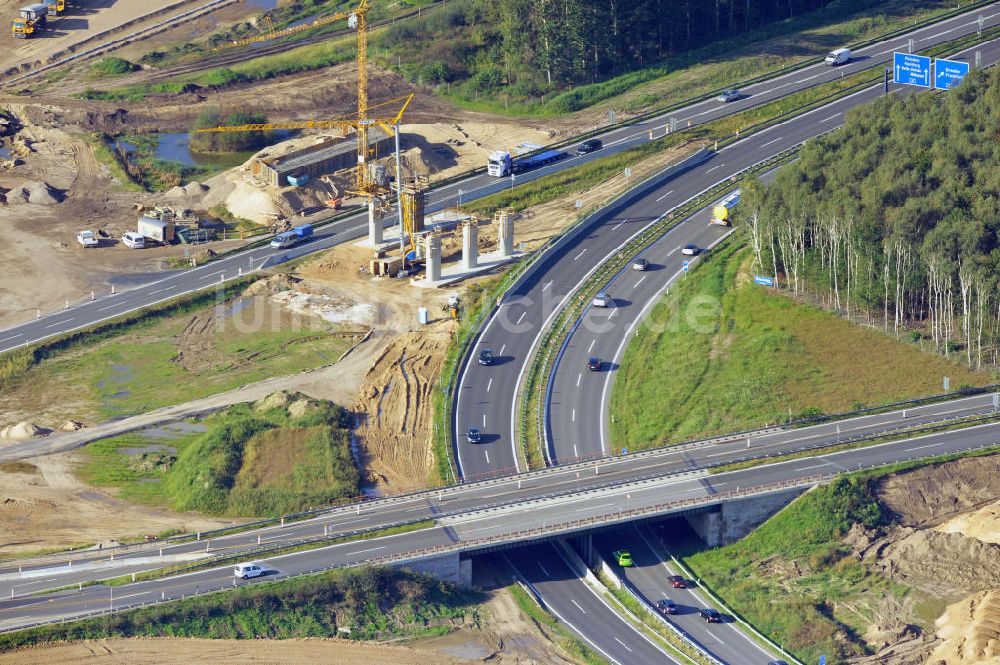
[(734, 519)]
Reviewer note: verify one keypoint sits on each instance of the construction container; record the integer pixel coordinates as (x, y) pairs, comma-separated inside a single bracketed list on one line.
[(160, 230), (422, 316)]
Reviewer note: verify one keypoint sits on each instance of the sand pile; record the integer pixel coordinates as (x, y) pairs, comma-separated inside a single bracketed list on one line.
[(21, 431), (39, 193)]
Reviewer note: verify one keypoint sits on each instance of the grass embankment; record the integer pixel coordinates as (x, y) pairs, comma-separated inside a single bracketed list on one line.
[(720, 353), (795, 580), (270, 458), (167, 354), (571, 645), (363, 604)]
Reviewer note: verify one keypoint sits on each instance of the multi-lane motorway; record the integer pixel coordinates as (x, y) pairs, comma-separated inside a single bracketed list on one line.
[(511, 332), (173, 284), (512, 509), (486, 396)]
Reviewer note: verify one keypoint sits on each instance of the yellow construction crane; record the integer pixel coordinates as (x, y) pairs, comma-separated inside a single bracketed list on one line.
[(363, 180), (356, 19)]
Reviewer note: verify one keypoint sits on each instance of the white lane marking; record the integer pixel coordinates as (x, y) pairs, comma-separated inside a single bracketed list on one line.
[(579, 377), (484, 421), (60, 323), (636, 285), (489, 384), (7, 339), (546, 286), (521, 318), (714, 167), (502, 348), (665, 196), (487, 455), (613, 312), (615, 227), (603, 505), (714, 636), (808, 78), (543, 569), (582, 253), (133, 595), (575, 452), (830, 118), (157, 291), (212, 274), (673, 250), (770, 142), (815, 466), (590, 348), (573, 416), (370, 549), (573, 600), (940, 34), (101, 309), (623, 644), (929, 445)]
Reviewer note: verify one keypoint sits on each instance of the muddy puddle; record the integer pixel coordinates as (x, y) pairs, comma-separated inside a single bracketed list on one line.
[(168, 432)]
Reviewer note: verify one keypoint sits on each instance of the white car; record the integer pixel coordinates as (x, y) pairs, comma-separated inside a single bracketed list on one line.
[(245, 571), (133, 240), (690, 250), (602, 299), (87, 239)]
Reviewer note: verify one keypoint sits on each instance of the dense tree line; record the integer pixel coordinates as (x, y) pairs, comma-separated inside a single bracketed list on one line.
[(530, 48), (894, 218), (228, 141)]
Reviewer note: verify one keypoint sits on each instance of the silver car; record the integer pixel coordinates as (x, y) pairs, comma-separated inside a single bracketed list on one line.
[(729, 95)]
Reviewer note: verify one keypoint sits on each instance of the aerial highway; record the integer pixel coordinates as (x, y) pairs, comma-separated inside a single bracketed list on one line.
[(351, 227), (649, 577), (511, 510), (486, 395)]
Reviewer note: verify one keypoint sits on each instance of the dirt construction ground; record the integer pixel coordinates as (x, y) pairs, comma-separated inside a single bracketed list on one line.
[(946, 544)]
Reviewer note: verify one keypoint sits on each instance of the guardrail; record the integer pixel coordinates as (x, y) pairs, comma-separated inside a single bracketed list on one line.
[(79, 556), (524, 535), (680, 635)]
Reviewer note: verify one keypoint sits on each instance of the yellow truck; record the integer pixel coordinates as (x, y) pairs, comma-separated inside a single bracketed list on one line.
[(30, 21)]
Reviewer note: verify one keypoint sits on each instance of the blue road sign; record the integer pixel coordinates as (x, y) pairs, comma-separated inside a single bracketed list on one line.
[(949, 73), (911, 69), (763, 280), (822, 660), (684, 265)]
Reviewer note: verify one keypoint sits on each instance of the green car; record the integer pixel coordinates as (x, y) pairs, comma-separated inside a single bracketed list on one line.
[(623, 558)]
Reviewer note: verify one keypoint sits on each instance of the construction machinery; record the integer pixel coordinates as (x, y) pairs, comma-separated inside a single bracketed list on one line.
[(30, 21), (55, 7)]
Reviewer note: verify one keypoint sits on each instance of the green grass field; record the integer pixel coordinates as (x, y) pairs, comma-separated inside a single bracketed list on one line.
[(163, 361), (720, 354), (246, 461), (795, 580), (375, 603)]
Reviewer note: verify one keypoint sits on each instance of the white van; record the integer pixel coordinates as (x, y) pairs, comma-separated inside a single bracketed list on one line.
[(602, 299), (838, 57), (285, 240), (247, 570), (133, 240)]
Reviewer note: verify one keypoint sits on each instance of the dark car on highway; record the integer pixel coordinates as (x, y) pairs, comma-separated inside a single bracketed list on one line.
[(666, 606), (677, 582), (594, 364), (588, 146), (473, 435), (710, 615), (486, 357)]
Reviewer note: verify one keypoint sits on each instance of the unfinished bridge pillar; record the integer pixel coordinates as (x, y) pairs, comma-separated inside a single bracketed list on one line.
[(374, 224), (505, 233), (470, 244), (432, 251)]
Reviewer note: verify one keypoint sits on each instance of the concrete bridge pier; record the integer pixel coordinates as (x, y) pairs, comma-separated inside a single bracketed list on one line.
[(374, 225), (730, 521)]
